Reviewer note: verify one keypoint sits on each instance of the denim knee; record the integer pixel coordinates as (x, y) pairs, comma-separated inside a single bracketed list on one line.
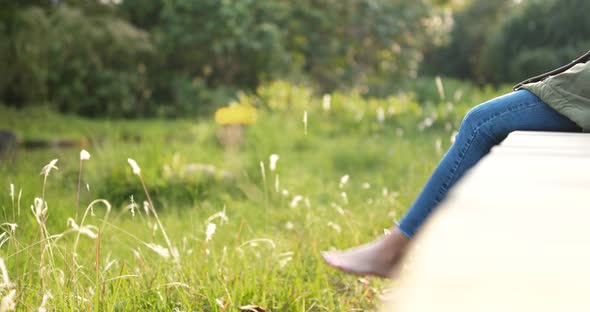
[(472, 122), (480, 121)]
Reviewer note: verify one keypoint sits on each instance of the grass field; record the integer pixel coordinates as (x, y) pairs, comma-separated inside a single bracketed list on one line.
[(239, 233)]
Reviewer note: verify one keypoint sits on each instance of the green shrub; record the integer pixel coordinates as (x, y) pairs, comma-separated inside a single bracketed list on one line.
[(538, 37), (461, 55), (173, 58), (508, 41), (90, 65)]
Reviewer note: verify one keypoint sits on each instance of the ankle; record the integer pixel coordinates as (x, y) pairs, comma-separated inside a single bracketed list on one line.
[(396, 241)]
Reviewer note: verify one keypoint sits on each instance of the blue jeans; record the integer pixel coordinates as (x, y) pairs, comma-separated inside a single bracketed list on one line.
[(483, 127)]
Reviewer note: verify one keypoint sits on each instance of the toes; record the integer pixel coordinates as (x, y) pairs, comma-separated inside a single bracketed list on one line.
[(327, 257), (330, 259)]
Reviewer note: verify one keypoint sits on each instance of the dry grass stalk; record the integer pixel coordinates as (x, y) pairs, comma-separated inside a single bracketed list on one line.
[(137, 171)]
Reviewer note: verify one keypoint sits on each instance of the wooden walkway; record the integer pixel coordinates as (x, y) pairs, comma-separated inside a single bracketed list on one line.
[(513, 234)]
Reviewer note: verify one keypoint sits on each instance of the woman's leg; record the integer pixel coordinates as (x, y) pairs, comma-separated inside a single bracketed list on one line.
[(483, 127)]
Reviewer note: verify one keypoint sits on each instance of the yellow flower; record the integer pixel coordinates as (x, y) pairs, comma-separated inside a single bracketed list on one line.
[(236, 114)]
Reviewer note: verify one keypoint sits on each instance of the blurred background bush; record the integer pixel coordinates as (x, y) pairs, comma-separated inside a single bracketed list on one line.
[(154, 58), (510, 40)]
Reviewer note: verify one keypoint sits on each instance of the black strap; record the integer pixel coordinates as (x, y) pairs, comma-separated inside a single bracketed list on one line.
[(582, 59)]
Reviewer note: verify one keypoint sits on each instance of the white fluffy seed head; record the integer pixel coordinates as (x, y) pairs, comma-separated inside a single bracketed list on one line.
[(262, 169), (160, 250), (439, 87), (87, 230), (273, 162), (51, 165), (46, 297), (12, 226), (134, 166), (12, 191), (438, 145), (295, 201), (283, 262), (4, 273), (132, 206), (7, 303), (211, 227), (326, 102), (84, 155), (335, 227), (39, 208), (146, 207), (218, 215), (344, 180)]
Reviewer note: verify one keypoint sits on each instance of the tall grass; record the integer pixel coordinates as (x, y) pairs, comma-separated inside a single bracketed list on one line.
[(201, 227)]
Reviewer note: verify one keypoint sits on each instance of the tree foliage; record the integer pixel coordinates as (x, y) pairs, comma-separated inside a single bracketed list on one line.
[(539, 36), (87, 64), (462, 55), (507, 41), (150, 57), (343, 43)]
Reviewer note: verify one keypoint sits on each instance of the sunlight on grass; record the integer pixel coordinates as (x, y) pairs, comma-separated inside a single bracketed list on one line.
[(206, 227)]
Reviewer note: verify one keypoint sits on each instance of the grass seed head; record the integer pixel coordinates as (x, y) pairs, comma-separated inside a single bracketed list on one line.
[(46, 297), (218, 215), (39, 208), (132, 206), (273, 162), (3, 239), (160, 250), (210, 231), (289, 225), (285, 259), (335, 226), (134, 166), (11, 226), (295, 201), (5, 279), (338, 208), (439, 87), (326, 102), (8, 303), (51, 165), (344, 180), (84, 155), (86, 229), (146, 207), (438, 145)]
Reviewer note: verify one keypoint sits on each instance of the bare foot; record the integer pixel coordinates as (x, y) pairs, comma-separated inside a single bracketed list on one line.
[(378, 258)]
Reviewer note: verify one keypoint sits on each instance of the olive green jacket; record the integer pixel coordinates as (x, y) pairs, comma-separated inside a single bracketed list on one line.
[(566, 89)]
